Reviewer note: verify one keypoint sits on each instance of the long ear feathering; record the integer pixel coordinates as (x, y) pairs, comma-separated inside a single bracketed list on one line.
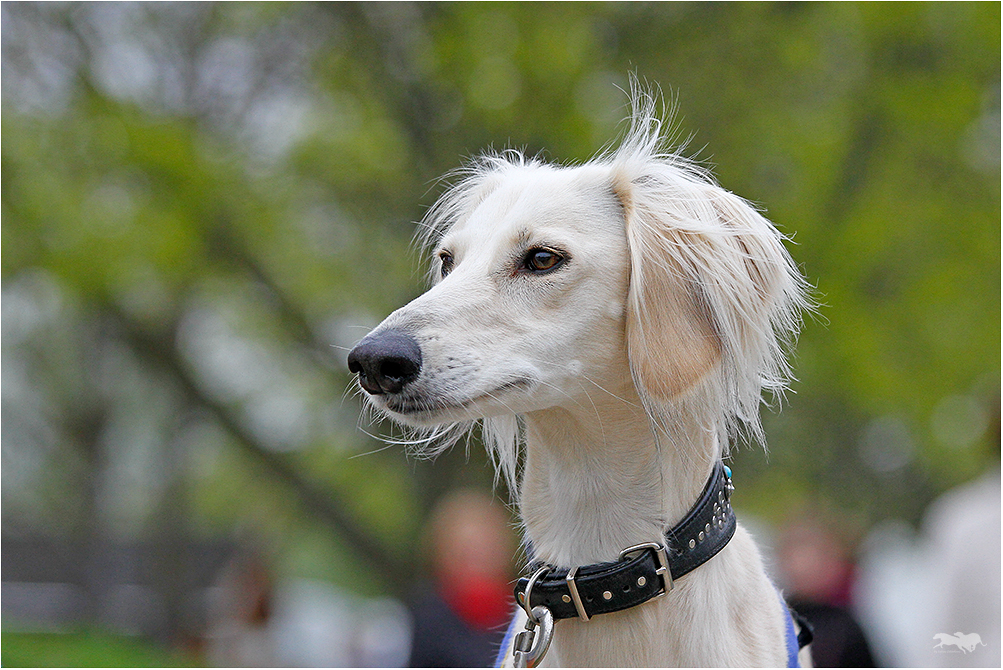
[(743, 295)]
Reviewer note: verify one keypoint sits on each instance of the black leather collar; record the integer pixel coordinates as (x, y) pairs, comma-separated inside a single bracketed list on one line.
[(643, 571)]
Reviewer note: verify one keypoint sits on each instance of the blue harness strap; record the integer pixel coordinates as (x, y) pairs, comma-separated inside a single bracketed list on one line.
[(506, 645), (791, 637)]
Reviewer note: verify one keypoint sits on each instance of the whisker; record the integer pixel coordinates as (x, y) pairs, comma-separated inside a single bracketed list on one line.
[(370, 453), (610, 393), (352, 390), (602, 428), (556, 388), (588, 379)]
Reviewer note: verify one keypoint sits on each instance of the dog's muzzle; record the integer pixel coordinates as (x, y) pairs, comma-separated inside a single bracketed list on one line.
[(385, 361)]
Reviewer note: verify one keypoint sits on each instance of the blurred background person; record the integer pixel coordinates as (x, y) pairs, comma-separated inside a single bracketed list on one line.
[(239, 613), (817, 571), (962, 545), (460, 617), (925, 594)]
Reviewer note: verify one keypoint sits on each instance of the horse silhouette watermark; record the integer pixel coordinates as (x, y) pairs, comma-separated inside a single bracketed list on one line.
[(964, 643)]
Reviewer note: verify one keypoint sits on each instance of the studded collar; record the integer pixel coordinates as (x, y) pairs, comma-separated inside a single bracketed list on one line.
[(643, 571)]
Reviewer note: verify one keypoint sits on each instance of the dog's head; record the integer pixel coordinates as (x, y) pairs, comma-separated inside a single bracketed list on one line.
[(552, 283), (528, 298)]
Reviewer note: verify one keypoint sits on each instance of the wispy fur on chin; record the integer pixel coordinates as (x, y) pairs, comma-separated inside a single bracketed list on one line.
[(425, 436)]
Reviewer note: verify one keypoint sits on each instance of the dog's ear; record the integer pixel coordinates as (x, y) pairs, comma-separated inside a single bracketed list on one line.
[(670, 335), (711, 288)]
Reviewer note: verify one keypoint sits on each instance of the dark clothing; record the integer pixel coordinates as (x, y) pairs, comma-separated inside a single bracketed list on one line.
[(839, 641), (441, 639)]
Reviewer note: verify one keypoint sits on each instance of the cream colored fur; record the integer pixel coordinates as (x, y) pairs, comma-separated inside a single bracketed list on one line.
[(617, 379)]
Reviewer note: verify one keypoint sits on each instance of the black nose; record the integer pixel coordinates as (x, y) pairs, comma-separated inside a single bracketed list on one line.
[(386, 361)]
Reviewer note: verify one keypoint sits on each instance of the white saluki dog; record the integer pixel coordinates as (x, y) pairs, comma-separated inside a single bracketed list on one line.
[(616, 322)]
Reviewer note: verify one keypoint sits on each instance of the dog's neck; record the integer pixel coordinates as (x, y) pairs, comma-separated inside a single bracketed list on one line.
[(598, 478)]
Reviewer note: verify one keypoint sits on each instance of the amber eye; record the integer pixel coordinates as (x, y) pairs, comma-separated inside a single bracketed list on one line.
[(542, 260), (446, 263)]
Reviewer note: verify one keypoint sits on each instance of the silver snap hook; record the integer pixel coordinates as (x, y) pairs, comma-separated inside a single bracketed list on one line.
[(531, 644)]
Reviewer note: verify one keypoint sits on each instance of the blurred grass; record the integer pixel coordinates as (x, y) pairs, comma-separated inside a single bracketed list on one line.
[(87, 648)]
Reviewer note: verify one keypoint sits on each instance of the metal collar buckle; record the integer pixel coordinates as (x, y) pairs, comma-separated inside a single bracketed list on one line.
[(662, 570), (663, 562)]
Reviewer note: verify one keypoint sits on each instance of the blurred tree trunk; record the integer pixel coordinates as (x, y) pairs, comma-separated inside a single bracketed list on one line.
[(85, 426)]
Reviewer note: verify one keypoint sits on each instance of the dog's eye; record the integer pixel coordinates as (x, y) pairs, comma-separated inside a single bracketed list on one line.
[(446, 262), (542, 260)]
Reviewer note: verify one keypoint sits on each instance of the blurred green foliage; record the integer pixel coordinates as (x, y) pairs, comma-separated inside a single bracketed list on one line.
[(87, 649), (204, 205)]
